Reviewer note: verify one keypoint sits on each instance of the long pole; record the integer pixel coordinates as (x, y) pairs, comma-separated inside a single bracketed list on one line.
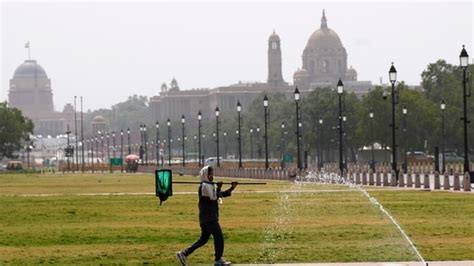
[(199, 141), (128, 139), (217, 141), (91, 141), (394, 141), (298, 158), (121, 149), (102, 150), (466, 121), (146, 144), (68, 149), (169, 143), (82, 136), (76, 137), (266, 139), (442, 141), (405, 146), (240, 140), (157, 143), (182, 145), (373, 146), (341, 163), (251, 143)]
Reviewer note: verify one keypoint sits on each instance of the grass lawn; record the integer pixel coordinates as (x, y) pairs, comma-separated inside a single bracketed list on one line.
[(279, 222)]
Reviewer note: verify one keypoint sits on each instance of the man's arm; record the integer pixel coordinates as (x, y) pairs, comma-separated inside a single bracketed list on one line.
[(226, 193)]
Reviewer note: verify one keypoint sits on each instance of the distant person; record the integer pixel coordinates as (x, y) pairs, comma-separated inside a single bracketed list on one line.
[(209, 193)]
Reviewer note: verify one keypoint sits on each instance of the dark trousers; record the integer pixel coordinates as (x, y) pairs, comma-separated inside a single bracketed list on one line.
[(207, 229)]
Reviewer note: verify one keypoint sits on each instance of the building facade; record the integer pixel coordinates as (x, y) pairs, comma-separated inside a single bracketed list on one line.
[(31, 92), (324, 61)]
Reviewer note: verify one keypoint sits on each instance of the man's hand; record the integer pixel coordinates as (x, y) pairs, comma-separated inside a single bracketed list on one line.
[(234, 184), (219, 185)]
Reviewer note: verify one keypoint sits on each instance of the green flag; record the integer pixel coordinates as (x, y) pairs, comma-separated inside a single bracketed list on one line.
[(163, 184)]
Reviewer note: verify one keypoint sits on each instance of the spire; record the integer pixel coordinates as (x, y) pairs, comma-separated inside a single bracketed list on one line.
[(324, 21)]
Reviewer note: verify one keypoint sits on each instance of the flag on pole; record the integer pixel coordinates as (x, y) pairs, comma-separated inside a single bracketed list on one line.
[(27, 44)]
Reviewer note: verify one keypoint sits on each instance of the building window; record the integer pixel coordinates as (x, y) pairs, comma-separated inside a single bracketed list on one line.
[(274, 45)]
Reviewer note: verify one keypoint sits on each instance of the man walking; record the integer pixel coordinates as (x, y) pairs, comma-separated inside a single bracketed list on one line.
[(209, 195)]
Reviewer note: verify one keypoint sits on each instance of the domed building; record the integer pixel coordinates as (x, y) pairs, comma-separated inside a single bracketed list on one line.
[(324, 57), (30, 91), (98, 124)]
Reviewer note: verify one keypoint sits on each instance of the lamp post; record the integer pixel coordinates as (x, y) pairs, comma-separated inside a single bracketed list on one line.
[(113, 144), (251, 143), (282, 149), (259, 147), (183, 120), (141, 149), (168, 123), (464, 60), (372, 164), (217, 136), (340, 92), (108, 152), (344, 140), (405, 146), (68, 149), (146, 144), (265, 107), (128, 138), (199, 138), (225, 144), (121, 149), (298, 152), (195, 148), (157, 142), (239, 109), (443, 107), (320, 157), (102, 150), (393, 78)]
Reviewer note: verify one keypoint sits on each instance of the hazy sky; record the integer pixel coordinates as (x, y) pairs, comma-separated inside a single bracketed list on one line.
[(106, 51)]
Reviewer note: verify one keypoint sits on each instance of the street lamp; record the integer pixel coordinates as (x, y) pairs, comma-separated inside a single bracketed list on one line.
[(128, 137), (340, 92), (282, 150), (320, 157), (259, 147), (146, 145), (251, 143), (217, 136), (121, 148), (393, 78), (141, 149), (372, 165), (239, 109), (195, 148), (405, 161), (157, 142), (113, 144), (298, 153), (168, 123), (464, 60), (184, 152), (443, 107), (199, 140), (225, 144), (265, 107)]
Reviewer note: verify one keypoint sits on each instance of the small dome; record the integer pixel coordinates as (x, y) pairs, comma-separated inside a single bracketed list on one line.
[(274, 37), (30, 69), (324, 37), (300, 73), (351, 71), (98, 119)]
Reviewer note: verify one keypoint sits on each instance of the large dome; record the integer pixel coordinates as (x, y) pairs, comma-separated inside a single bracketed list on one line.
[(30, 69), (324, 37)]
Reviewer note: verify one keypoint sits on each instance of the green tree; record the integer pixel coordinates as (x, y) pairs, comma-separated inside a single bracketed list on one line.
[(15, 129)]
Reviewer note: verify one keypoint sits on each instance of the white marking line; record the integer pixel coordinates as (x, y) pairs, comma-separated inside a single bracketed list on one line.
[(376, 203), (183, 193)]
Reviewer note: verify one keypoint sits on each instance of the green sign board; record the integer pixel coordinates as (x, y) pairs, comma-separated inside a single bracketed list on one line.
[(116, 161), (288, 158)]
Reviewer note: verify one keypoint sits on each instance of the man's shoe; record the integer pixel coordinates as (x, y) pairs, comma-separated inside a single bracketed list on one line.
[(181, 257), (222, 262)]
